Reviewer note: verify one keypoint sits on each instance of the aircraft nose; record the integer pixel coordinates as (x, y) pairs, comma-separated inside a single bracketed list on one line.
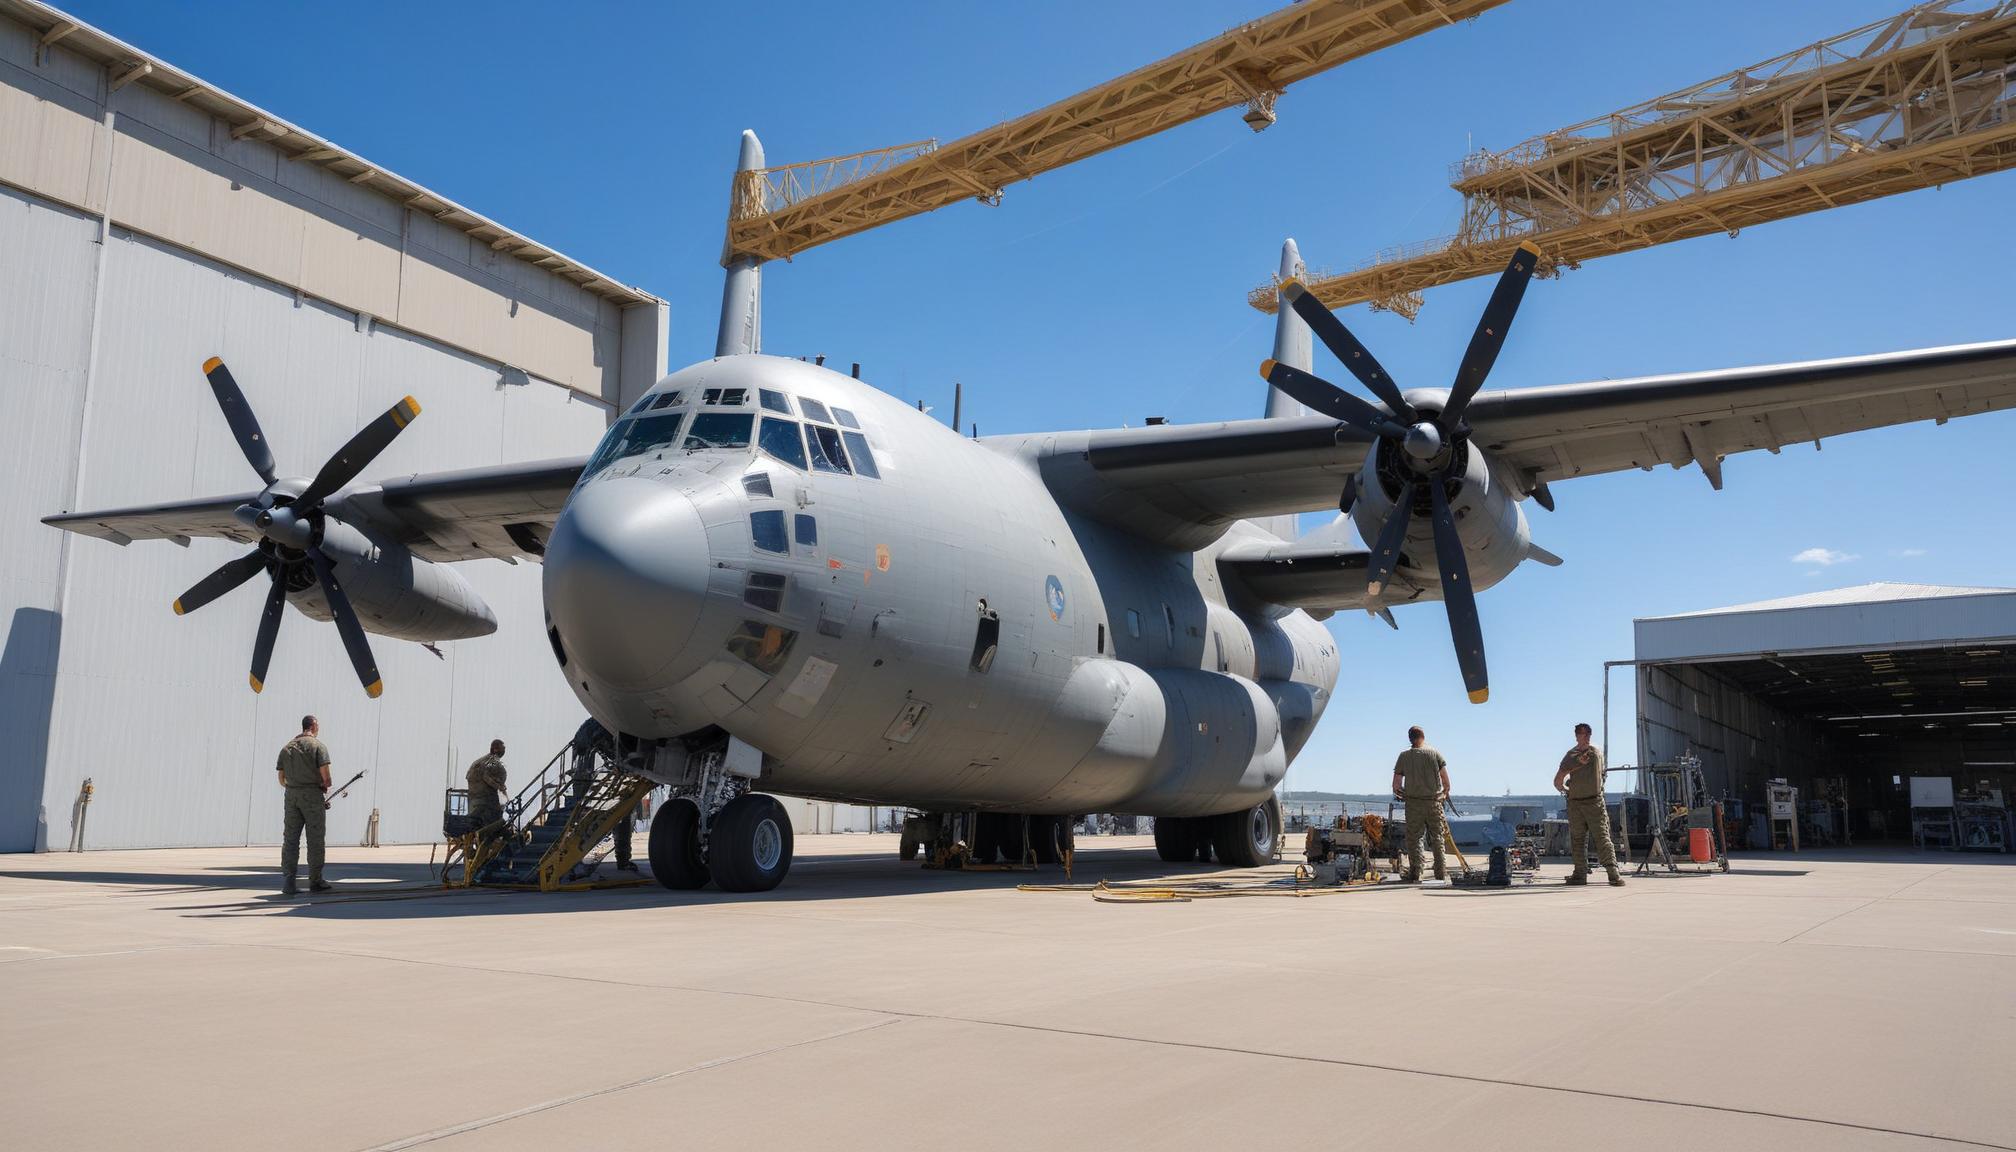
[(625, 579)]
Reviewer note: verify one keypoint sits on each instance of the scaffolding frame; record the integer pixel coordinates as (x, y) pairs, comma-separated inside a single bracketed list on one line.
[(1914, 101)]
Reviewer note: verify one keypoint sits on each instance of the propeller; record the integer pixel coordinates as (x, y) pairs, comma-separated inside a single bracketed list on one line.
[(291, 528), (1424, 448)]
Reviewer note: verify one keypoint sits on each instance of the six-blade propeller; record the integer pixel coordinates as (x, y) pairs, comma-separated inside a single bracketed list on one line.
[(291, 528), (1423, 447)]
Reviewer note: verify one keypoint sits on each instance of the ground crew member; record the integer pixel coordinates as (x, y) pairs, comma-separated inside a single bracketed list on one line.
[(589, 739), (1421, 778), (486, 786), (303, 769), (1581, 780)]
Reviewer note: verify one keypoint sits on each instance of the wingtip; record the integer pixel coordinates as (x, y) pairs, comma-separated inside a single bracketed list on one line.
[(374, 688), (1480, 695), (212, 364)]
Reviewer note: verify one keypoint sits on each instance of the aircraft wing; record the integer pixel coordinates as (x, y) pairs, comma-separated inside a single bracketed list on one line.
[(501, 512), (1180, 485), (1558, 431)]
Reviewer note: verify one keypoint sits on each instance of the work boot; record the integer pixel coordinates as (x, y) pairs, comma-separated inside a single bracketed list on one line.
[(1441, 875), (320, 886), (288, 889), (626, 866), (1616, 881), (1577, 878)]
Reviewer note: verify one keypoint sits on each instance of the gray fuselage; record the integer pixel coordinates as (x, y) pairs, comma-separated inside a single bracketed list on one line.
[(842, 623)]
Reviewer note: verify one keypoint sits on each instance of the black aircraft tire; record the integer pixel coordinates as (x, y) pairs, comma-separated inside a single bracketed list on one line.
[(749, 847), (1175, 839), (674, 846), (1245, 839), (1049, 835), (986, 837), (1013, 840)]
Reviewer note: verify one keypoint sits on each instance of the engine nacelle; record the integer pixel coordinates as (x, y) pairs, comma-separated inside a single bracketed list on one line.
[(1482, 500), (394, 593)]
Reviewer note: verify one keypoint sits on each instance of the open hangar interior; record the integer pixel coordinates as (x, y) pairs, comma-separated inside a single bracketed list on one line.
[(151, 221), (1846, 695)]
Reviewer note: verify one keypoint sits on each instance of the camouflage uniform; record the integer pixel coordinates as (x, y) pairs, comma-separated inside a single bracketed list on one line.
[(486, 790), (1420, 771), (589, 739), (1588, 819), (300, 765)]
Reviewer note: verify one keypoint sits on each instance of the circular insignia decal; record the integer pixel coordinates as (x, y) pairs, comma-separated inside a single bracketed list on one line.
[(1053, 595)]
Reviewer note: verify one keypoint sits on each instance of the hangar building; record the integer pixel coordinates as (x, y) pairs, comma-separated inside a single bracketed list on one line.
[(147, 222), (1850, 692)]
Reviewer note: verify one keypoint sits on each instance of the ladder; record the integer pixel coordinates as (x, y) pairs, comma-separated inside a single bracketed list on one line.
[(553, 830)]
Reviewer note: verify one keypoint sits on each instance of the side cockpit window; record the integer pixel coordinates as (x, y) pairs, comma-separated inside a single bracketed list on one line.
[(780, 439), (846, 419), (766, 531), (664, 400), (864, 460)]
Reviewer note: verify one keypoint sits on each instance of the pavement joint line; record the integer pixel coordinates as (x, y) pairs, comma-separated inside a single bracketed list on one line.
[(55, 955), (1869, 903), (607, 1090), (1332, 1061)]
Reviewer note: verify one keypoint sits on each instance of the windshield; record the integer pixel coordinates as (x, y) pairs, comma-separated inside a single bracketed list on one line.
[(719, 430), (634, 437)]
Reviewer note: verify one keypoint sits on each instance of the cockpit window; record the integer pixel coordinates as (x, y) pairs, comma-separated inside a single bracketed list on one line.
[(664, 400), (636, 435), (728, 396), (642, 403), (813, 409), (766, 530), (846, 418), (824, 442), (864, 460), (775, 401), (780, 439), (718, 430)]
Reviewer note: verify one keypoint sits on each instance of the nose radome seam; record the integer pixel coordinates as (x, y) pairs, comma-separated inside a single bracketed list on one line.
[(626, 579)]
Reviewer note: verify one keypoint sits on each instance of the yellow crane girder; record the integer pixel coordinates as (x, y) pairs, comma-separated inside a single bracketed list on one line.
[(1920, 99), (779, 212)]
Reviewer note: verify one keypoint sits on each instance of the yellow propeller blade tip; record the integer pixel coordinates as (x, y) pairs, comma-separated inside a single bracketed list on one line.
[(212, 364), (1480, 695), (405, 412), (178, 607), (1529, 247), (1266, 369), (258, 685), (374, 688), (1292, 287)]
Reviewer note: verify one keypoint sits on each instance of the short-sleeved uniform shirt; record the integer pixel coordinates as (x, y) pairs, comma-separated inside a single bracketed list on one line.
[(301, 762), (486, 776), (1420, 772), (1585, 772)]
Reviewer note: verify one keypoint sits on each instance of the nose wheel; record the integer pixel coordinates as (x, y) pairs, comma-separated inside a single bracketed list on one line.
[(749, 846)]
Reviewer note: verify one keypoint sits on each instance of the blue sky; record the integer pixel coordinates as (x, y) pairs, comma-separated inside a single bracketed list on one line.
[(1114, 289)]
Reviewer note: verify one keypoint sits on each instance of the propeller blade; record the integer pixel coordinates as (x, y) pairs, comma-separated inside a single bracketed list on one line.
[(1458, 599), (363, 448), (1349, 495), (1332, 401), (1393, 533), (223, 580), (354, 641), (1490, 335), (1349, 352), (269, 627), (238, 414)]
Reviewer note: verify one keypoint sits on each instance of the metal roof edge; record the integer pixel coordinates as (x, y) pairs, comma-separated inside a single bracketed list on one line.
[(1768, 607), (296, 144)]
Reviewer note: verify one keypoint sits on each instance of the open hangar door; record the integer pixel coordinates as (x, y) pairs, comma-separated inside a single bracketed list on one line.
[(1846, 695)]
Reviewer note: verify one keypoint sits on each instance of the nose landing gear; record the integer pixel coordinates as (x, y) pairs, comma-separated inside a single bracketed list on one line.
[(713, 829)]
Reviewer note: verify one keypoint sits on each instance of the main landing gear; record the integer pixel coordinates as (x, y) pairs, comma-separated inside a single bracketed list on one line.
[(1247, 838)]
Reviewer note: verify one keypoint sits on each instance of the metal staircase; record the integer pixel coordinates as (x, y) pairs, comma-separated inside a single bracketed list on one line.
[(555, 831)]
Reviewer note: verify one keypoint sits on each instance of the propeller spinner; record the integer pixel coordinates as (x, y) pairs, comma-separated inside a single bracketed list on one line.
[(1424, 442), (291, 528)]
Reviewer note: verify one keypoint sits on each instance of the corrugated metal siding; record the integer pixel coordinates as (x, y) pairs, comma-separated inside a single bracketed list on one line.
[(153, 706), (1876, 624)]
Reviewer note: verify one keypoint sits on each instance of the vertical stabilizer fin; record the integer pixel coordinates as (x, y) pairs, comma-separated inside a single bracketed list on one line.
[(1291, 337), (741, 328)]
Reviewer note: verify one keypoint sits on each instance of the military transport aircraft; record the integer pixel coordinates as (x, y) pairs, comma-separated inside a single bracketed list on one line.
[(770, 577)]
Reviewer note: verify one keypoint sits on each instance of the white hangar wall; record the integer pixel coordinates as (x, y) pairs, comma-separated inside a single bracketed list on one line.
[(141, 233)]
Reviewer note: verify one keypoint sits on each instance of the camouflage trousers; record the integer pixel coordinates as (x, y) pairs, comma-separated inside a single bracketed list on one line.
[(304, 810), (1589, 820), (1424, 818)]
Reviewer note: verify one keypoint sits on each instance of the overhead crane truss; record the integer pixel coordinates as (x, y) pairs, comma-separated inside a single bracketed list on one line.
[(779, 212), (1918, 100)]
